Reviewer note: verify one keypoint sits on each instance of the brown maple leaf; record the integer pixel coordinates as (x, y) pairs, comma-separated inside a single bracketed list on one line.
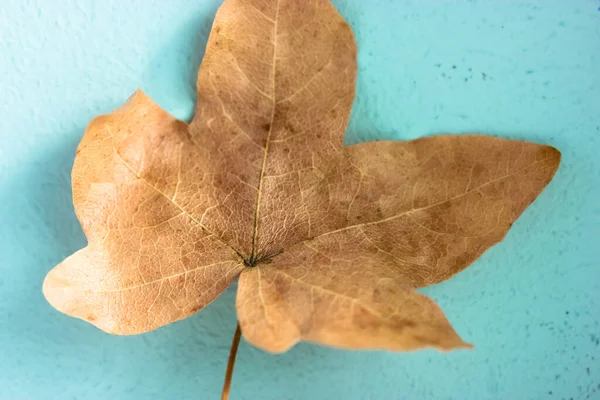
[(329, 241)]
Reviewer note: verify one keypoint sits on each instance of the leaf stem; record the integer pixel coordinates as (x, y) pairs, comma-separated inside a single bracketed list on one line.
[(232, 353)]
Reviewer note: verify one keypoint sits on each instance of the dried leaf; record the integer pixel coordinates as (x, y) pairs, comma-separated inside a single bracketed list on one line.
[(330, 240)]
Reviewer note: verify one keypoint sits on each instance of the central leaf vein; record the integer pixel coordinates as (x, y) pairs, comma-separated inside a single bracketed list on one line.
[(253, 254)]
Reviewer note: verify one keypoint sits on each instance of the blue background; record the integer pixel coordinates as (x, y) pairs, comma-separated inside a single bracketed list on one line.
[(516, 68)]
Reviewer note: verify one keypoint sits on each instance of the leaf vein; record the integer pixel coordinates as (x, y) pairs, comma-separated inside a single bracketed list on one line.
[(413, 210)]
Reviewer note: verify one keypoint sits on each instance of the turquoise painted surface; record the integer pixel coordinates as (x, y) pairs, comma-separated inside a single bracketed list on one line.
[(519, 68)]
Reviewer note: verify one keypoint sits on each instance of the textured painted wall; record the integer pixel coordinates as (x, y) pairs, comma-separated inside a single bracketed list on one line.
[(517, 68)]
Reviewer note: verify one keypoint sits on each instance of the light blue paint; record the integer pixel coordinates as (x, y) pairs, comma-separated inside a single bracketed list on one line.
[(531, 304)]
